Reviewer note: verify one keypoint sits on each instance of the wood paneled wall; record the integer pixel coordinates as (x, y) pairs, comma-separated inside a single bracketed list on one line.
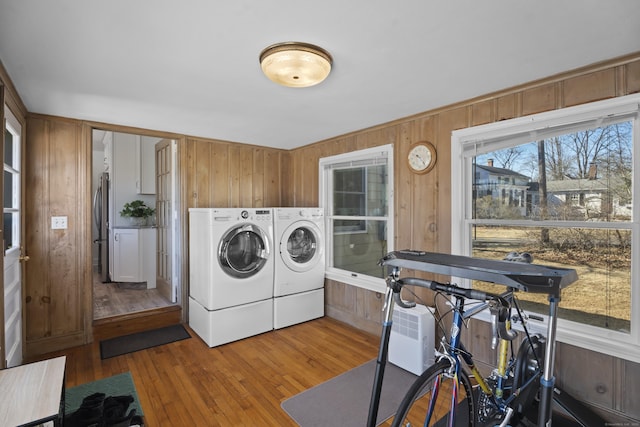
[(57, 183), (221, 174), (422, 202)]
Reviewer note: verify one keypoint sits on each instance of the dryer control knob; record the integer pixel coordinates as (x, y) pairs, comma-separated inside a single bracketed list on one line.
[(244, 214)]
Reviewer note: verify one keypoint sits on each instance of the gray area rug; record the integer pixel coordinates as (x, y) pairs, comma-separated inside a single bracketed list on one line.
[(344, 400)]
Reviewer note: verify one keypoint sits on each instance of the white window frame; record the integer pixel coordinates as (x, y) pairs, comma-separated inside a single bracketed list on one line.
[(466, 143), (355, 158)]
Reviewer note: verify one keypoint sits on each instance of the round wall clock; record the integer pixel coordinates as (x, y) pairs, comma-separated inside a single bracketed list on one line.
[(421, 157)]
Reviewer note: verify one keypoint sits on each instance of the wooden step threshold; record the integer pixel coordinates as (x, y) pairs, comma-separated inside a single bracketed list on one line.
[(131, 323)]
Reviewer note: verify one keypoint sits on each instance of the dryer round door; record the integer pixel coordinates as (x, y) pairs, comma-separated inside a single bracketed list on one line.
[(243, 251), (301, 246)]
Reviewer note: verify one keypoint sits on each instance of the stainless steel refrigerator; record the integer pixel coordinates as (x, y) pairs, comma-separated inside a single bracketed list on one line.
[(101, 218)]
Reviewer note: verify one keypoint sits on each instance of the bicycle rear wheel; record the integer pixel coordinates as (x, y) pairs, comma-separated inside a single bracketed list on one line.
[(428, 401)]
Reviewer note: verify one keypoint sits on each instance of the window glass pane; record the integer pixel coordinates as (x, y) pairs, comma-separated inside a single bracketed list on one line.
[(349, 197), (8, 230), (360, 251), (8, 147), (578, 176), (8, 190), (377, 190), (601, 257)]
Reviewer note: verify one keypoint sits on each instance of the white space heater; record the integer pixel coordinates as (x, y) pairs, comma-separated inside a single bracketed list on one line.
[(411, 344)]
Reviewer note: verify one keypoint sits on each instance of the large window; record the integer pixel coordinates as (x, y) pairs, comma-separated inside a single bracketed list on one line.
[(559, 185), (356, 192)]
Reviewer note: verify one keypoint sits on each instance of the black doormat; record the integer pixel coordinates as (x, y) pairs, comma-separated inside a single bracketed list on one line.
[(138, 286), (142, 340)]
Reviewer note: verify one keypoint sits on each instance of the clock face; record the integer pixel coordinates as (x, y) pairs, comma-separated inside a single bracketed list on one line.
[(421, 157)]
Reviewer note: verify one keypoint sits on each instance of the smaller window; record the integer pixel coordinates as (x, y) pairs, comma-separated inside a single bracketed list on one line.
[(356, 192)]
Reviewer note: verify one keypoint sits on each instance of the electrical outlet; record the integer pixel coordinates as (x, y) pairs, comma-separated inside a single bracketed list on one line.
[(58, 222)]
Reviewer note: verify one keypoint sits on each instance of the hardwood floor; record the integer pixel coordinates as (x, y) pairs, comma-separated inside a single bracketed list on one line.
[(242, 383), (110, 300)]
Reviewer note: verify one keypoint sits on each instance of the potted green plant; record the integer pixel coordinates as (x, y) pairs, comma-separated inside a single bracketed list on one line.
[(137, 212)]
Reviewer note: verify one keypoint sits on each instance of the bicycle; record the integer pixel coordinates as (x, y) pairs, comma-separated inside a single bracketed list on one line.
[(504, 397), (445, 392)]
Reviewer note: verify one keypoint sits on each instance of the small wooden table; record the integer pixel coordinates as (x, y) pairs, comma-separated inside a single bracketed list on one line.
[(33, 394)]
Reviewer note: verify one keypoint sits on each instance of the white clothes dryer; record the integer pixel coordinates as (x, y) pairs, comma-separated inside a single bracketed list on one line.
[(231, 267), (298, 288)]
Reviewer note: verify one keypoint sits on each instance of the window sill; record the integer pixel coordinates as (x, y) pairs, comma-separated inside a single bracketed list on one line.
[(360, 281), (611, 343)]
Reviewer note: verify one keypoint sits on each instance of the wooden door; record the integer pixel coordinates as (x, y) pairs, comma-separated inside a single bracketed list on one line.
[(165, 219)]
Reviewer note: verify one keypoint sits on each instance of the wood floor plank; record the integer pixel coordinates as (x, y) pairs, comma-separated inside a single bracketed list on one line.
[(238, 384)]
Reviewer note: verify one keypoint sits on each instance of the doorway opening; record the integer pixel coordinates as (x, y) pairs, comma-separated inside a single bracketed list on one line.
[(130, 258)]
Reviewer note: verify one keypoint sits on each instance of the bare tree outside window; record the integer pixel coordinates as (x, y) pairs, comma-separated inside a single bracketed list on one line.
[(580, 178)]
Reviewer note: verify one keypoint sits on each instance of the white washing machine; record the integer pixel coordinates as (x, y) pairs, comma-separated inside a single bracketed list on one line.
[(298, 287), (231, 267)]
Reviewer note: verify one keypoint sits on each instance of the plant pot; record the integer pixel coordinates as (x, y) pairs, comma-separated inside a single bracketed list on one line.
[(137, 221)]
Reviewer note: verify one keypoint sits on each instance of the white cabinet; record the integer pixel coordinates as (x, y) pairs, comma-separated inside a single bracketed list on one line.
[(146, 165), (148, 253), (125, 175), (126, 255), (134, 255)]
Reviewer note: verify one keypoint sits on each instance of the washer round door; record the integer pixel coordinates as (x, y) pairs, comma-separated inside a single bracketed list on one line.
[(301, 246), (243, 251)]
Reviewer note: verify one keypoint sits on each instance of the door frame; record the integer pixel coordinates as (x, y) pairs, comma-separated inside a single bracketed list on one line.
[(179, 224), (3, 359)]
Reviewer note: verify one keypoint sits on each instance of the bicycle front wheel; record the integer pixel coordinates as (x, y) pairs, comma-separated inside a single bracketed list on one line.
[(437, 398)]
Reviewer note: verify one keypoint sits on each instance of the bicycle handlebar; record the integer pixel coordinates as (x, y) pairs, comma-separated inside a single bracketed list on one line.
[(499, 308), (447, 289)]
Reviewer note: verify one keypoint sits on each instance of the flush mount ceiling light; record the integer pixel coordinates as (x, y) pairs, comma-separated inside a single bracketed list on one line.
[(295, 64)]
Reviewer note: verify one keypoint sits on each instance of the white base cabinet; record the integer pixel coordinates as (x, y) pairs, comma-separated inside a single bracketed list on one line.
[(134, 255)]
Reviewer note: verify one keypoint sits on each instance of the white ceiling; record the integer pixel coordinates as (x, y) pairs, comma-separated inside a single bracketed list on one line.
[(191, 66)]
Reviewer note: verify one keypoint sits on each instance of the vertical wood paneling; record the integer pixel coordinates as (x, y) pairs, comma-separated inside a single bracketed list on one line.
[(63, 194), (234, 176), (425, 191), (403, 185), (200, 190), (483, 112), (222, 174), (56, 176), (589, 87), (287, 188), (271, 186), (598, 387), (629, 388), (506, 107), (246, 176), (257, 177), (632, 77), (538, 99), (219, 175), (36, 238)]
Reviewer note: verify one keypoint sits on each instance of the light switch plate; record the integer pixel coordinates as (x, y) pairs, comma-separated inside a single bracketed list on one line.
[(58, 222)]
